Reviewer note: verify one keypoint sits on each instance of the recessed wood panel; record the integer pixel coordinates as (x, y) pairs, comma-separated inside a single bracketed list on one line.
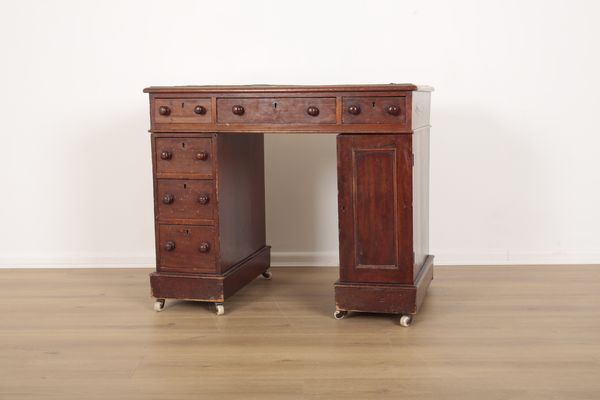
[(374, 188)]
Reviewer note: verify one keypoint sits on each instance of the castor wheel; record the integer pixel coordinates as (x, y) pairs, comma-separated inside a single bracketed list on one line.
[(267, 274), (220, 308), (406, 320), (339, 314), (159, 305)]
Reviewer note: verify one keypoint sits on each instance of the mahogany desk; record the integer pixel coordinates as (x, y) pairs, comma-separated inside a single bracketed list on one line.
[(209, 196)]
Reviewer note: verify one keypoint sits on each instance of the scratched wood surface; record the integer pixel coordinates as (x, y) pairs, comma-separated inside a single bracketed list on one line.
[(530, 332)]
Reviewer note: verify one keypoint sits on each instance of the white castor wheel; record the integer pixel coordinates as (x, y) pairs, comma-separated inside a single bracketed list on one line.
[(220, 308), (406, 320), (339, 314), (159, 305), (267, 274)]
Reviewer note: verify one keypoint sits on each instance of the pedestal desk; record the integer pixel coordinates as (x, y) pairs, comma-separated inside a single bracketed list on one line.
[(209, 196)]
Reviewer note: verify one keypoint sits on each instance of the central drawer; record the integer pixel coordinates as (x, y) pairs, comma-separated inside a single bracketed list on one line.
[(284, 110)]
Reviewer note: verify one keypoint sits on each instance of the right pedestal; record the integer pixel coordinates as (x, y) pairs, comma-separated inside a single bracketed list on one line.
[(383, 200)]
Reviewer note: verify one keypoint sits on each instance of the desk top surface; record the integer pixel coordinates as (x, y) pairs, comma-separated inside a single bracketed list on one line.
[(288, 88)]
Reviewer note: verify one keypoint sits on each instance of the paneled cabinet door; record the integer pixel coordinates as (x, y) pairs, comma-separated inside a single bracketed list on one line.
[(375, 208)]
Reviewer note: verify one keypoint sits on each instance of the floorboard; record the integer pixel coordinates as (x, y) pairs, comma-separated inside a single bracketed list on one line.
[(518, 332)]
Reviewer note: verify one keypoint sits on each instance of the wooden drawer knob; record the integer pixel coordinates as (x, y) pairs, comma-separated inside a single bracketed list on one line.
[(202, 156), (204, 247), (168, 198), (166, 155), (203, 199), (170, 246), (238, 109), (200, 110), (312, 111), (164, 110), (354, 110), (393, 110)]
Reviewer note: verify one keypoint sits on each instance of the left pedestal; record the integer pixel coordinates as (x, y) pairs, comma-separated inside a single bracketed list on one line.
[(209, 207)]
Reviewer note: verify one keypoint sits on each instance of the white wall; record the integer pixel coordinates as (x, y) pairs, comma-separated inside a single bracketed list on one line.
[(515, 174)]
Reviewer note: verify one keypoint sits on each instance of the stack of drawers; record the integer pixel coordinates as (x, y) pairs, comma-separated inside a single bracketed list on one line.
[(185, 205)]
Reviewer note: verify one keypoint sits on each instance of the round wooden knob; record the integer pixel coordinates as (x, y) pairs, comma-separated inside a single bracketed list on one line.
[(203, 199), (164, 110), (168, 198), (354, 110), (200, 110), (166, 155), (312, 111), (170, 246), (238, 110), (202, 156), (204, 247), (393, 109)]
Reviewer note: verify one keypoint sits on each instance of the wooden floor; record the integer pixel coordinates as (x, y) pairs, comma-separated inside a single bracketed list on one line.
[(484, 333)]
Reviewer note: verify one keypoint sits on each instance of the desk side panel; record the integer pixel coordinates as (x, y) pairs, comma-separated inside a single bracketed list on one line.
[(241, 196), (420, 142), (420, 106)]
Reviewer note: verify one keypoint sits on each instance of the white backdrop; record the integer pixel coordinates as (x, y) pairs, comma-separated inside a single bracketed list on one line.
[(515, 174)]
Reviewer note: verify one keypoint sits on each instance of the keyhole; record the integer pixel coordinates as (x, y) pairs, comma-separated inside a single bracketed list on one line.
[(185, 185), (373, 104), (182, 105), (183, 145), (275, 105)]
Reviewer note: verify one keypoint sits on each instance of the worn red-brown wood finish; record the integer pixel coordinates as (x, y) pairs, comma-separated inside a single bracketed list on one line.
[(208, 160)]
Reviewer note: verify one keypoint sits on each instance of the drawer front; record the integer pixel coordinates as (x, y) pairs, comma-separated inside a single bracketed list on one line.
[(186, 248), (374, 110), (185, 199), (297, 110), (181, 111), (184, 156)]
